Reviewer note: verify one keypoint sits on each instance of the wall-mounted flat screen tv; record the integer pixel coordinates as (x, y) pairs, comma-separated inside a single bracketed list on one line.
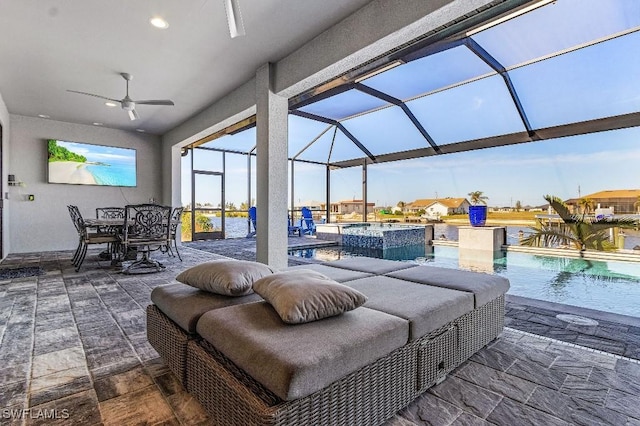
[(87, 164)]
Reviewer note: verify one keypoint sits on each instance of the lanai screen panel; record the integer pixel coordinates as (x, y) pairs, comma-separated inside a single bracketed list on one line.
[(302, 132), (557, 26), (566, 62), (345, 149), (207, 160), (429, 74), (343, 105), (479, 109), (319, 151), (243, 141), (594, 82), (387, 130)]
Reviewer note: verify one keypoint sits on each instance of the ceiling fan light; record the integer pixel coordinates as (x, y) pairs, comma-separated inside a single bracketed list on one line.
[(234, 18), (111, 104), (132, 114), (159, 22)]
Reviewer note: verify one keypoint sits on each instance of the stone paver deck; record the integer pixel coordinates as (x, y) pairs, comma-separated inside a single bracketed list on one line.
[(73, 346)]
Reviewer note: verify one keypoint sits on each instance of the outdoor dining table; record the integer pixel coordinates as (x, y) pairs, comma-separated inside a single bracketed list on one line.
[(114, 226)]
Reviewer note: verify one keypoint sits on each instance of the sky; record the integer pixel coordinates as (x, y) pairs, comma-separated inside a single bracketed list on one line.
[(101, 153), (580, 84), (567, 167)]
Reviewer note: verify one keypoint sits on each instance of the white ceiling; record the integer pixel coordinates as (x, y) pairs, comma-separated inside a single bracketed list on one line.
[(49, 46)]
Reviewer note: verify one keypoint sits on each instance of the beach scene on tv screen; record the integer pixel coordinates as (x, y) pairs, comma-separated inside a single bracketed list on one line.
[(86, 164)]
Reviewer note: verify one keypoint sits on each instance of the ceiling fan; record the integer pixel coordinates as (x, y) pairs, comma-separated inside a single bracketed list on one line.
[(127, 103), (234, 18)]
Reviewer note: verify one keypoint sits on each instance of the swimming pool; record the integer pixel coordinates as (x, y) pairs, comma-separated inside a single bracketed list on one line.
[(609, 286)]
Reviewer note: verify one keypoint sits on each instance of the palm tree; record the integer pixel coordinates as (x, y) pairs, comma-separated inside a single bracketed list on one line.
[(586, 205), (576, 230), (476, 197)]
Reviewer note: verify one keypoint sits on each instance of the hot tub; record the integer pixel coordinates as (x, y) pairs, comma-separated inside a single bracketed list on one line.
[(378, 236)]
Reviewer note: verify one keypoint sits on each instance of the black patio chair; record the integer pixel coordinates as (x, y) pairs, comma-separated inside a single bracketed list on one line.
[(146, 230), (86, 238), (174, 223)]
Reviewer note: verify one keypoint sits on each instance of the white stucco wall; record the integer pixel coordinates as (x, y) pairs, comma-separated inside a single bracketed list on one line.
[(44, 224)]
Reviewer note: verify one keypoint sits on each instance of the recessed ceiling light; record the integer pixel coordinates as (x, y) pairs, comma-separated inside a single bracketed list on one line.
[(44, 116), (140, 130), (97, 124), (158, 22), (110, 104)]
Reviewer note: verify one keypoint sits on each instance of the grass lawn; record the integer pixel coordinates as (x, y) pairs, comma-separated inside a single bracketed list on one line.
[(492, 217)]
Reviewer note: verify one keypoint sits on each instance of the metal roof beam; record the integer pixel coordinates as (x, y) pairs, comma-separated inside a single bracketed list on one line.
[(585, 127), (356, 141), (432, 49), (295, 157), (500, 69), (388, 98), (339, 126), (313, 97), (314, 117)]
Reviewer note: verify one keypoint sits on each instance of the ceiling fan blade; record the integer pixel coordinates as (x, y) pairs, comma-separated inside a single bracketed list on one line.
[(234, 18), (133, 115), (155, 102), (95, 96)]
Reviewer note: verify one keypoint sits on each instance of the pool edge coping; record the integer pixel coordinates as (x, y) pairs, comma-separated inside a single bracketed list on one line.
[(575, 310)]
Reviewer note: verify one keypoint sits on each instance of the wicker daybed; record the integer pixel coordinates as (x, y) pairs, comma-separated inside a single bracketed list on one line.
[(247, 367)]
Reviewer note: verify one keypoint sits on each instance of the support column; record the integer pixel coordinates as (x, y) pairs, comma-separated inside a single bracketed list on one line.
[(292, 216), (271, 170), (249, 203), (364, 191), (327, 198)]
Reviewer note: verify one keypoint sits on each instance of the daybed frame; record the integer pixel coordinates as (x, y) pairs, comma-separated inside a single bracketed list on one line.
[(368, 396)]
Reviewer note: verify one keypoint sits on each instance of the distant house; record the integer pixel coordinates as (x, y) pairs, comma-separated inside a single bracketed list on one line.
[(311, 205), (447, 206), (418, 205), (621, 200), (501, 209), (434, 208), (350, 206)]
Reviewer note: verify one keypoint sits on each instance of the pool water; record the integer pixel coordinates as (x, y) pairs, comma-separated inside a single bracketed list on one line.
[(609, 286)]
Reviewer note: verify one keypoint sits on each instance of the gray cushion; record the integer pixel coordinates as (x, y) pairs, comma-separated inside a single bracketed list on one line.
[(426, 307), (338, 274), (485, 287), (304, 295), (371, 265), (185, 304), (294, 361), (225, 276)]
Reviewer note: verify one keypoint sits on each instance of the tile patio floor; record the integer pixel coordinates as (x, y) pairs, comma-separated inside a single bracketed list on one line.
[(73, 345)]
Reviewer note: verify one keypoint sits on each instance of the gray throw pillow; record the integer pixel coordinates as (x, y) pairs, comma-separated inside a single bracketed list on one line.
[(303, 295), (226, 277)]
